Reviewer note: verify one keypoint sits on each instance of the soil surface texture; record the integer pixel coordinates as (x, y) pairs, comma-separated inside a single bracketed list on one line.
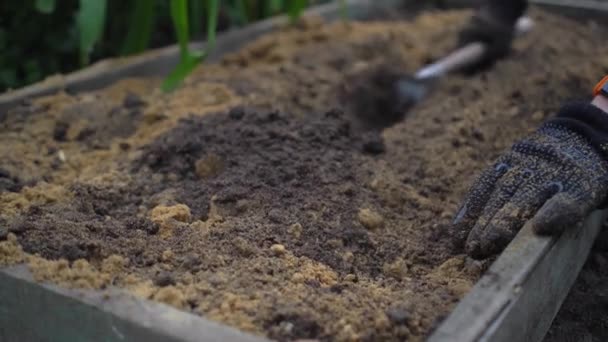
[(256, 196)]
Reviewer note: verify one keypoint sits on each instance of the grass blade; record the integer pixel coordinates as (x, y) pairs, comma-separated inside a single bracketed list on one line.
[(90, 21), (45, 6), (141, 25)]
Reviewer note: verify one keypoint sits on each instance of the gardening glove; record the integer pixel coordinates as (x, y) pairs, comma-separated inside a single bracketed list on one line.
[(493, 24), (554, 178)]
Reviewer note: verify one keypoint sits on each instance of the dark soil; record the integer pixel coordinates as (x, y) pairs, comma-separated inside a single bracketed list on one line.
[(584, 314), (373, 98), (272, 168), (253, 197)]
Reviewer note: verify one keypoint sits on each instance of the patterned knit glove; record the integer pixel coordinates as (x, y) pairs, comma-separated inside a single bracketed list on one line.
[(554, 178)]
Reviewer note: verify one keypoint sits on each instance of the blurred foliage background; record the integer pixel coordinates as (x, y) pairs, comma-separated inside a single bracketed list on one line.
[(39, 38)]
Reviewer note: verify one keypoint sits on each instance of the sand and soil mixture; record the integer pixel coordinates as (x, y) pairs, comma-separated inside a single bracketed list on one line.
[(249, 196)]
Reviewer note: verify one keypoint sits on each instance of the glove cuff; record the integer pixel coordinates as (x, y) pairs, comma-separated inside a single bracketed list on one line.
[(586, 120)]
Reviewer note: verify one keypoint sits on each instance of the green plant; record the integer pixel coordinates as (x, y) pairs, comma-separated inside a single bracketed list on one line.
[(140, 29), (45, 6), (273, 7), (44, 37), (295, 9), (343, 9), (90, 21), (189, 59)]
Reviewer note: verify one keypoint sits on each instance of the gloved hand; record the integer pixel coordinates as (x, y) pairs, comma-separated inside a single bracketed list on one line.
[(493, 24), (554, 178)]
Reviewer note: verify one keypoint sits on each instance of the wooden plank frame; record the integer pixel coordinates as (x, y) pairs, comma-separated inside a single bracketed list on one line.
[(515, 300), (519, 296), (30, 311)]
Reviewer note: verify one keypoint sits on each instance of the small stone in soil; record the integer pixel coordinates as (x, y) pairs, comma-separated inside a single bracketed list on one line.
[(170, 295), (164, 279), (243, 247), (209, 166), (56, 163), (60, 131), (9, 183), (295, 230), (18, 227), (142, 224), (242, 206), (191, 261), (397, 269), (275, 216), (373, 143), (132, 101), (478, 134), (236, 113), (398, 315), (83, 250), (278, 249), (370, 219)]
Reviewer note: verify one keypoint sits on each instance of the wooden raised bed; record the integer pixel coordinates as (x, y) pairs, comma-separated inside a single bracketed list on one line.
[(515, 300)]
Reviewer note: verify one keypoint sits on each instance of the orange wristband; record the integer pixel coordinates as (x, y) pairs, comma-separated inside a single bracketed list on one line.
[(601, 87)]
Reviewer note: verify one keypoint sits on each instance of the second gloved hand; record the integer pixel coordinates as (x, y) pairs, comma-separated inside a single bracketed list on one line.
[(493, 24), (554, 178)]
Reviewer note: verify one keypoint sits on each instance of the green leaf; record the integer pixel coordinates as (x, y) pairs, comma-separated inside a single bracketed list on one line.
[(183, 69), (187, 63), (179, 14), (243, 14), (212, 14), (343, 9), (189, 60), (141, 23), (295, 9), (32, 71), (90, 21), (45, 6), (271, 7), (275, 6), (197, 13), (8, 77)]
